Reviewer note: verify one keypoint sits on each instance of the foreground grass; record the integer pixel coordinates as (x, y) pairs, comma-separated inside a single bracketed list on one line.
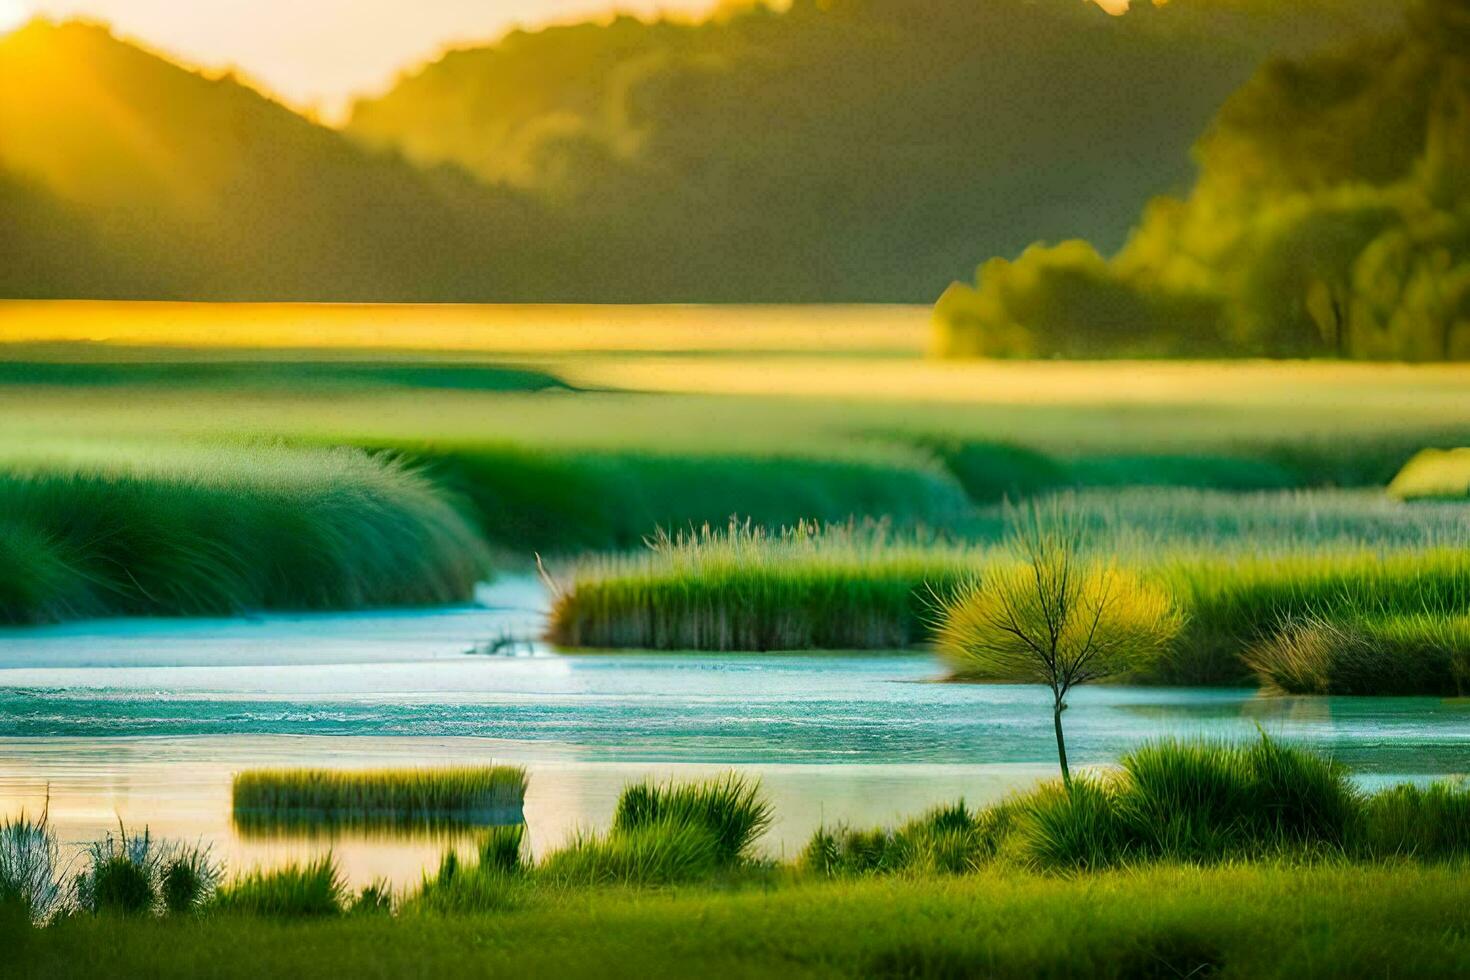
[(1290, 871), (1257, 921), (88, 529)]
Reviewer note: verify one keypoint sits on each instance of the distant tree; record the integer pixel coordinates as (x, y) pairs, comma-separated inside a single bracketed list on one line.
[(1056, 616)]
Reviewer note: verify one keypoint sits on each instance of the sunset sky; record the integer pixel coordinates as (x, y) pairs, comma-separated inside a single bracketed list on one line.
[(318, 53)]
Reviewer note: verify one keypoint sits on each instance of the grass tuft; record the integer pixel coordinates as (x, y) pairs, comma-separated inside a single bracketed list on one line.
[(729, 807), (309, 890), (665, 853), (30, 868)]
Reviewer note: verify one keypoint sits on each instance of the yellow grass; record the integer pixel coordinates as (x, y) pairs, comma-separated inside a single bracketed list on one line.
[(504, 329), (1236, 383)]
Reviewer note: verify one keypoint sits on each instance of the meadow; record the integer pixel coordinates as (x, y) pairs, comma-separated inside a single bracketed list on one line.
[(1190, 858), (459, 440)]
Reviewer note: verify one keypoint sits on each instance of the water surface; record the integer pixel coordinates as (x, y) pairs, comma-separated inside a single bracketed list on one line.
[(146, 721)]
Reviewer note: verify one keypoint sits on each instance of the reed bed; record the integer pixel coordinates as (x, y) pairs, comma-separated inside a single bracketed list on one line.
[(267, 799), (1239, 572), (93, 530), (748, 588)]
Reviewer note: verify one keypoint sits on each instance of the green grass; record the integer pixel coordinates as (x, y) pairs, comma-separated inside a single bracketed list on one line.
[(264, 799), (1255, 858), (30, 868), (137, 875), (564, 501), (748, 589), (310, 890), (1239, 570), (92, 530), (731, 808), (1405, 654), (267, 447), (1247, 920), (950, 839)]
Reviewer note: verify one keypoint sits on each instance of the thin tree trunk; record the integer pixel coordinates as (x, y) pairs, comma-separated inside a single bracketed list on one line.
[(1056, 715)]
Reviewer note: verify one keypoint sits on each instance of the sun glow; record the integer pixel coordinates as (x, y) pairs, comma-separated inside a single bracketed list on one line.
[(13, 13)]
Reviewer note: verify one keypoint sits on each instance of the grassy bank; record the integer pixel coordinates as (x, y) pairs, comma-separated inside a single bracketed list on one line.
[(745, 588), (1191, 858), (269, 798), (92, 529), (1245, 572)]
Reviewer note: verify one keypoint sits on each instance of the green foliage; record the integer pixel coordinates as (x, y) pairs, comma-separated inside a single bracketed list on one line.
[(122, 876), (950, 839), (665, 853), (1434, 474), (264, 798), (188, 879), (313, 889), (749, 589), (1331, 217), (502, 849), (375, 898), (562, 501), (1405, 654), (730, 808), (622, 161), (1168, 921), (1426, 823), (1056, 616), (89, 530), (1193, 802)]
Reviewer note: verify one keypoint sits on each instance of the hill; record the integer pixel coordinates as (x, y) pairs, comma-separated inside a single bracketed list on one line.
[(124, 175), (1331, 217), (855, 150)]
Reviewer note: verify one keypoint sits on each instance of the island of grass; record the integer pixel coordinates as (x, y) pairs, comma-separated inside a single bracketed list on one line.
[(266, 800), (1310, 593)]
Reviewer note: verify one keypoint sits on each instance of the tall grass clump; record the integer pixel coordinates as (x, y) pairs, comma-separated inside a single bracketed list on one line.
[(730, 807), (667, 833), (494, 884), (192, 530), (266, 798), (1400, 655), (949, 839), (30, 868), (1424, 822), (313, 889), (137, 875), (664, 853), (1235, 605), (743, 587), (1194, 802)]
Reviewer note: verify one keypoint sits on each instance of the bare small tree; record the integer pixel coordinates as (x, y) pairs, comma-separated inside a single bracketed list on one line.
[(1054, 615)]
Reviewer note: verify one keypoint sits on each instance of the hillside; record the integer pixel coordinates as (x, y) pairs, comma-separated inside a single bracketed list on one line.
[(858, 149), (127, 176), (1331, 217), (846, 150)]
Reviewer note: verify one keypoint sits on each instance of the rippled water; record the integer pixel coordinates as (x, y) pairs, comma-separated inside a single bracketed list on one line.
[(147, 720)]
